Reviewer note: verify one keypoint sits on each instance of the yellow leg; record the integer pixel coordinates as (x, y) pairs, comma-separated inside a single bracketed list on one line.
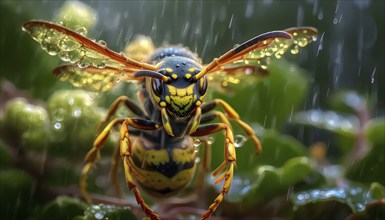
[(234, 115), (134, 108), (125, 152), (92, 155), (226, 168), (114, 173)]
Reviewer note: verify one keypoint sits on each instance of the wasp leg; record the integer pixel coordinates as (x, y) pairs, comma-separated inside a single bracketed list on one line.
[(132, 106), (92, 155), (215, 114), (114, 167), (227, 167), (233, 115), (114, 173), (125, 153)]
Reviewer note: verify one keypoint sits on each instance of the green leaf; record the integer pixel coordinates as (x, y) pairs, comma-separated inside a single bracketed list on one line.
[(375, 130), (5, 156), (345, 125), (16, 192), (99, 212), (276, 150), (26, 125), (75, 14), (74, 117), (371, 167), (265, 183), (377, 191), (348, 102), (62, 208), (339, 202)]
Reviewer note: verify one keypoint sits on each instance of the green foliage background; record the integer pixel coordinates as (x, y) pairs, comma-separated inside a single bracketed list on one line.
[(330, 96)]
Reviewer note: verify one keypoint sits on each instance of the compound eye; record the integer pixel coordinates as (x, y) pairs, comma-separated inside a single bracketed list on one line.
[(157, 86), (202, 85)]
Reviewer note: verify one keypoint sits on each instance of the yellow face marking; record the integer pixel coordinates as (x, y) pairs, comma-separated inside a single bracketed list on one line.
[(181, 99), (162, 104), (181, 92), (169, 70), (174, 76), (198, 103), (171, 90), (191, 70), (187, 76)]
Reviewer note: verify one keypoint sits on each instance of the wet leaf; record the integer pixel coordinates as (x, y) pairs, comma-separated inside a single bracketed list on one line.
[(266, 182), (345, 125), (375, 130), (5, 156), (318, 203), (371, 167), (99, 212), (277, 149), (16, 192), (62, 208), (75, 13), (74, 117), (347, 101), (26, 125)]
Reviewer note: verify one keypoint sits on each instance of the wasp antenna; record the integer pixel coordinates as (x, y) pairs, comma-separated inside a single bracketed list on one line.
[(152, 74)]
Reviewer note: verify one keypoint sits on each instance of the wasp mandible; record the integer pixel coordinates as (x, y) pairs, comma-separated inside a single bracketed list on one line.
[(156, 147)]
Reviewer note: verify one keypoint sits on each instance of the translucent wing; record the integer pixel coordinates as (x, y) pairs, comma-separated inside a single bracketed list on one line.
[(92, 78), (255, 61), (93, 60)]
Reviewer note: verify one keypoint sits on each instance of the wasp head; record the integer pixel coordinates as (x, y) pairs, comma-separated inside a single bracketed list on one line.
[(181, 93)]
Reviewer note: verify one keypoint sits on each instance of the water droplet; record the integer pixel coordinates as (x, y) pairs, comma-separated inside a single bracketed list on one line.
[(71, 101), (100, 65), (59, 114), (64, 56), (81, 30), (77, 112), (83, 63), (197, 142), (66, 44), (57, 125), (239, 140), (99, 215), (102, 43), (210, 140), (295, 50)]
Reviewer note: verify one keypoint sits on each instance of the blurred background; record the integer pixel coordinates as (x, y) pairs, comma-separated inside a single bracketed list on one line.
[(325, 104)]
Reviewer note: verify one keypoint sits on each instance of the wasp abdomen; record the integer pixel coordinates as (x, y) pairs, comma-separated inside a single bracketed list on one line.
[(164, 170)]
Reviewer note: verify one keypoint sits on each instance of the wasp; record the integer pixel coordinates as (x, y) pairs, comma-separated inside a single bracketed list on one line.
[(156, 145)]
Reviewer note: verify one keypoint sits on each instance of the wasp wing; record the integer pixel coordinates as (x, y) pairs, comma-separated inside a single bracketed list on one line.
[(92, 78), (93, 60), (254, 56)]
